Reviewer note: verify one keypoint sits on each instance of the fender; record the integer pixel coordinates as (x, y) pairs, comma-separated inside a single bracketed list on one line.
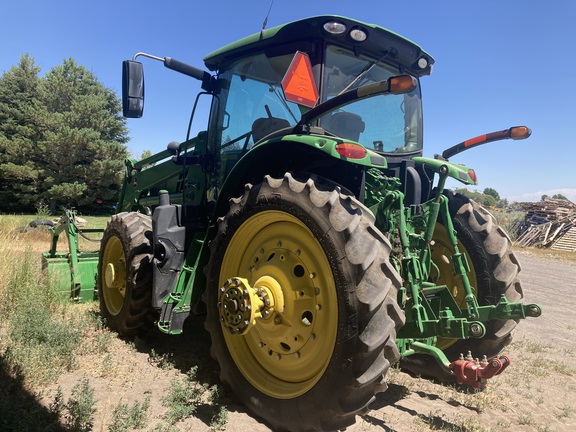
[(342, 161), (462, 173)]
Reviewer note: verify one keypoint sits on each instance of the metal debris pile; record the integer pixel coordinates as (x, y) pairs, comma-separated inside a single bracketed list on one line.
[(549, 224)]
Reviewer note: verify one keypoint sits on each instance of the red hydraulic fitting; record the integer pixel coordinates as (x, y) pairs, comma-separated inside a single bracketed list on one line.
[(475, 373)]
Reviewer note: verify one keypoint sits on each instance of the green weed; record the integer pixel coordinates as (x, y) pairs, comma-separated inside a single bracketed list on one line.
[(80, 407), (161, 427), (525, 420), (186, 396), (163, 361), (42, 210), (563, 368), (219, 419), (565, 411), (130, 417)]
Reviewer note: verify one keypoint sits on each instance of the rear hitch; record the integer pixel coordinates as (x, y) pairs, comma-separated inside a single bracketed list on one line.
[(474, 372)]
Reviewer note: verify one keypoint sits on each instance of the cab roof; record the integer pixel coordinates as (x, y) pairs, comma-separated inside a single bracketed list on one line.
[(379, 43)]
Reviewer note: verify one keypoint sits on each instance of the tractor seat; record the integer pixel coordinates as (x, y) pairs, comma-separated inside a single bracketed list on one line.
[(345, 125), (263, 127)]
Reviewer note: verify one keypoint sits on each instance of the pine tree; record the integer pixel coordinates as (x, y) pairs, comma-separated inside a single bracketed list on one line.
[(19, 134), (64, 138)]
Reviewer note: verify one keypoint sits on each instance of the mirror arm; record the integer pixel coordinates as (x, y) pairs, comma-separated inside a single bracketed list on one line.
[(183, 68)]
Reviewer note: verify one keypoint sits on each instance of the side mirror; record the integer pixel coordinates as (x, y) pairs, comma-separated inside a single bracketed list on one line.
[(132, 89)]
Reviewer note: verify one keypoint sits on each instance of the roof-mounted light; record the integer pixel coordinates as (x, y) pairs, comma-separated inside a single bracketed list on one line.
[(358, 35), (422, 62), (334, 27)]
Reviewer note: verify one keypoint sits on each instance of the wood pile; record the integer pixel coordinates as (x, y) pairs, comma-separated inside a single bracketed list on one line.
[(550, 223)]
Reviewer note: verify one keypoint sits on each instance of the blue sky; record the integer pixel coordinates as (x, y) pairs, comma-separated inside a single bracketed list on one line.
[(498, 64)]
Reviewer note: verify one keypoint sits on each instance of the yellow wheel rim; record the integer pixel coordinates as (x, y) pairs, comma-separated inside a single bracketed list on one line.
[(113, 278), (441, 253), (285, 353)]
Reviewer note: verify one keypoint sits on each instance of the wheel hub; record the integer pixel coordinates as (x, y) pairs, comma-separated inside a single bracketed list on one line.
[(110, 275), (240, 305)]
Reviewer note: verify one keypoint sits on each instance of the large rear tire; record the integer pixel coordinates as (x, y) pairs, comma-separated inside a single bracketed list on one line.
[(125, 273), (494, 271), (321, 355)]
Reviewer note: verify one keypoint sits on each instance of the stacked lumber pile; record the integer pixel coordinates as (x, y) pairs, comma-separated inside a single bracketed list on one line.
[(550, 223)]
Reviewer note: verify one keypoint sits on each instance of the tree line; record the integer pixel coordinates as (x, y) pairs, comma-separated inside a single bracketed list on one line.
[(491, 198), (488, 198), (62, 139)]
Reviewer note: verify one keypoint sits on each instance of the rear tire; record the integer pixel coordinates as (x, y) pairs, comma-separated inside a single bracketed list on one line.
[(339, 295), (125, 273), (494, 271)]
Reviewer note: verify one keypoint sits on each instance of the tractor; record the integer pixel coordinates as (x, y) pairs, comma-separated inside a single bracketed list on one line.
[(305, 224)]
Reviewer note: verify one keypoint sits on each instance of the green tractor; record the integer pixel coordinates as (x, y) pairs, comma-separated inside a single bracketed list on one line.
[(306, 226)]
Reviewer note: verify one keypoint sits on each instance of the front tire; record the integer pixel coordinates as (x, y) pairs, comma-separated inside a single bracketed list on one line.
[(125, 273), (319, 357)]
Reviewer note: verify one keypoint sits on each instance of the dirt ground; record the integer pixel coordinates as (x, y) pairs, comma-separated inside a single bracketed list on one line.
[(536, 393)]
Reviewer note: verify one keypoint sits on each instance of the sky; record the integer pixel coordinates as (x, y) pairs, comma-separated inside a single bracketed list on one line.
[(498, 64)]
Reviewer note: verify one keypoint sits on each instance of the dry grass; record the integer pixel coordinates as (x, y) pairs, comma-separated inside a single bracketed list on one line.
[(62, 369)]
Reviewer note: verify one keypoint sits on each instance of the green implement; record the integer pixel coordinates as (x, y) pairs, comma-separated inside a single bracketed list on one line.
[(74, 271)]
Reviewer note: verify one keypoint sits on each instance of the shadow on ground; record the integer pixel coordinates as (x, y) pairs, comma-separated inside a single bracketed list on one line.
[(185, 351), (19, 409)]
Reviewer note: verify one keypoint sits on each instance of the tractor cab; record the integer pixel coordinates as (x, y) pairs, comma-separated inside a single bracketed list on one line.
[(266, 82), (321, 88)]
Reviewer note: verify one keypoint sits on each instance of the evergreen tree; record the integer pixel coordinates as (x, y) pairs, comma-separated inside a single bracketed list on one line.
[(19, 134), (70, 148)]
